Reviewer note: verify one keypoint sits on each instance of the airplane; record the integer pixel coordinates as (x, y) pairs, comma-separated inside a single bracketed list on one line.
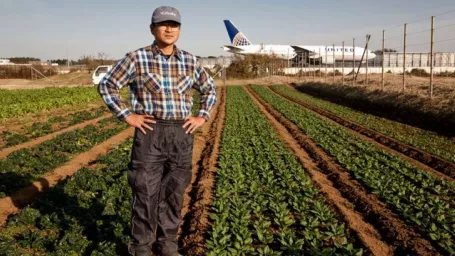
[(322, 54)]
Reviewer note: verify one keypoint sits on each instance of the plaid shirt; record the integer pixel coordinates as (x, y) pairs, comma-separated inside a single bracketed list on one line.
[(159, 85)]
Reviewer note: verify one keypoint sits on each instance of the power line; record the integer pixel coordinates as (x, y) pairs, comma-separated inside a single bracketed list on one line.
[(418, 32), (417, 44), (420, 20), (397, 47), (452, 39), (400, 36), (444, 13), (415, 21), (450, 25), (394, 27)]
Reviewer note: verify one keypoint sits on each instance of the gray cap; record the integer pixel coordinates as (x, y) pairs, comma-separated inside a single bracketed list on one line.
[(166, 13)]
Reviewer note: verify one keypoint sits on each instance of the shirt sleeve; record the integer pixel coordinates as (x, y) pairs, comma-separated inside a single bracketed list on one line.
[(119, 76), (206, 86)]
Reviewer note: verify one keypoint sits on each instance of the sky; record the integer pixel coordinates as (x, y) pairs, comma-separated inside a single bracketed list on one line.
[(53, 29)]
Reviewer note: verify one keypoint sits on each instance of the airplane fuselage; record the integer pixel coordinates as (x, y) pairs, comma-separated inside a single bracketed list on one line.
[(325, 53)]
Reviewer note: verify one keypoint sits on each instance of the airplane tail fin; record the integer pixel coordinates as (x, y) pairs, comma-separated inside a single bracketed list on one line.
[(237, 37)]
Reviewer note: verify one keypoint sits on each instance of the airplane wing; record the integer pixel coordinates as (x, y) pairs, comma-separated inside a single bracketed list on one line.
[(299, 49), (233, 48)]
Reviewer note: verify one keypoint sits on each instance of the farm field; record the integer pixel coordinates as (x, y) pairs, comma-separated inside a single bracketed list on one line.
[(275, 172)]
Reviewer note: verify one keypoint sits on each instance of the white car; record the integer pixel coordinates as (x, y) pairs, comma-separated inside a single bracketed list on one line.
[(99, 73)]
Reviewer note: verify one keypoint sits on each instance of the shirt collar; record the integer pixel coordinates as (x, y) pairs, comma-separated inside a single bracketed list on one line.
[(156, 51)]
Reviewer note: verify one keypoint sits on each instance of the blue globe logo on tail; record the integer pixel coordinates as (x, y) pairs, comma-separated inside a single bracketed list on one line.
[(237, 37)]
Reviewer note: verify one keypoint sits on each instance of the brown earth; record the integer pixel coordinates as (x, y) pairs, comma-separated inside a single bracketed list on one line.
[(444, 88), (200, 143), (64, 80), (5, 152), (196, 221), (404, 239), (424, 160), (13, 204), (260, 81), (365, 232)]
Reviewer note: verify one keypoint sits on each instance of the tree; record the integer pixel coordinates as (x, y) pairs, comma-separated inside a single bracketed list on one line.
[(102, 56), (251, 66), (22, 60), (60, 62), (92, 62)]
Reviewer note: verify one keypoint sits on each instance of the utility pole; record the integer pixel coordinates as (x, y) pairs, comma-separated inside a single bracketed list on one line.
[(363, 55)]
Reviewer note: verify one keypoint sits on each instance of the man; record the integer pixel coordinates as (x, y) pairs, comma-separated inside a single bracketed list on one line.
[(160, 78)]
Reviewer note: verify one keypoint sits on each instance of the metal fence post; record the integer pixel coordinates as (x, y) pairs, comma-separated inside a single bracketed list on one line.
[(382, 64), (404, 56), (353, 61), (431, 57), (325, 76), (333, 63), (225, 72), (366, 73), (314, 69), (342, 65), (320, 63)]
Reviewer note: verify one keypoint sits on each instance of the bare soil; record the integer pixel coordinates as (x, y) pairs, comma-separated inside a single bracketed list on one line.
[(403, 238), (434, 164), (13, 204), (196, 221), (64, 80), (200, 143)]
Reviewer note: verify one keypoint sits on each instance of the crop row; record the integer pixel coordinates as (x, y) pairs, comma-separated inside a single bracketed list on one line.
[(15, 103), (22, 167), (87, 214), (53, 124), (265, 204), (424, 140), (418, 196)]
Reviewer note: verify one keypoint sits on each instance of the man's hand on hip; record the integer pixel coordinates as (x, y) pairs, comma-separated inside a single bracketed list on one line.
[(192, 123), (140, 122)]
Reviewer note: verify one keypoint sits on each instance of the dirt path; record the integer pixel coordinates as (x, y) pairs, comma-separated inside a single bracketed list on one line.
[(403, 238), (196, 221), (13, 204), (434, 164), (5, 152), (200, 143)]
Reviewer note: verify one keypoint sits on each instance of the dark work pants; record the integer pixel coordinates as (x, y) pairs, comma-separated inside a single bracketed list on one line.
[(160, 171)]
